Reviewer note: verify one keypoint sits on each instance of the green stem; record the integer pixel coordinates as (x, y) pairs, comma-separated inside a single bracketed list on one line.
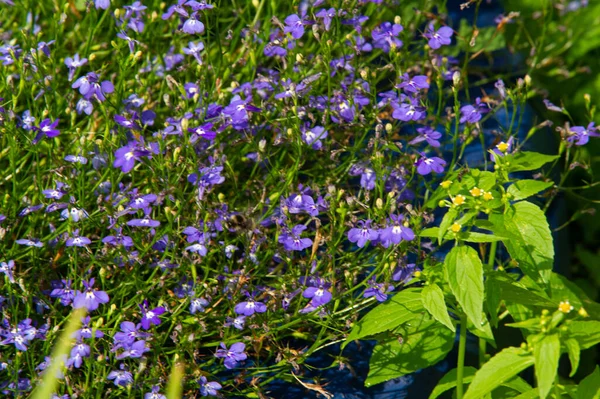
[(460, 366)]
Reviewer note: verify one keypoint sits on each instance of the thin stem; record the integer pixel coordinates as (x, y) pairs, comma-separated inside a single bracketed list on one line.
[(460, 366)]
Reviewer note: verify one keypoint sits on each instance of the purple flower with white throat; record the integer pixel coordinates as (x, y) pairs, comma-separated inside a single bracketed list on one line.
[(580, 135), (46, 129), (294, 25), (208, 388), (413, 85), (427, 165), (292, 241), (192, 25), (313, 136), (204, 131), (409, 111), (194, 49), (363, 234), (250, 306), (90, 298), (327, 16), (198, 305), (317, 291), (396, 232), (73, 64), (473, 113), (77, 241), (233, 355), (7, 268), (30, 242), (206, 178), (150, 316), (385, 36), (439, 38), (427, 134), (121, 377), (378, 290)]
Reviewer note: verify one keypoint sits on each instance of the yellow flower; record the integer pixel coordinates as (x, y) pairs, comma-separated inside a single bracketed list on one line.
[(455, 228), (488, 196), (458, 200), (446, 184), (502, 146), (565, 307), (476, 192)]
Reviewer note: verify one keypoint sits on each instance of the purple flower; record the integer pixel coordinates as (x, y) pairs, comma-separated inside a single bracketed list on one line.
[(206, 178), (150, 316), (77, 241), (47, 128), (404, 272), (427, 165), (64, 292), (7, 268), (208, 388), (385, 36), (378, 290), (85, 331), (76, 159), (396, 232), (580, 135), (249, 307), (313, 136), (125, 157), (427, 134), (473, 113), (73, 64), (154, 394), (33, 242), (292, 241), (327, 16), (192, 26), (85, 106), (362, 234), (145, 222), (414, 84), (317, 292), (204, 131), (121, 377), (128, 335), (194, 50), (135, 350), (198, 305), (233, 355), (411, 111), (20, 336), (294, 25), (102, 4), (90, 298), (439, 38), (237, 322)]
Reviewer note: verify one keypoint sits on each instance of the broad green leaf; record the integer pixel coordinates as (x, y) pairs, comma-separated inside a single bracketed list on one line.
[(587, 333), (562, 289), (448, 381), (464, 273), (546, 353), (446, 223), (483, 331), (526, 188), (433, 301), (486, 39), (402, 307), (589, 387), (468, 236), (492, 300), (574, 351), (531, 394), (513, 291), (530, 239), (499, 369), (523, 161), (424, 343)]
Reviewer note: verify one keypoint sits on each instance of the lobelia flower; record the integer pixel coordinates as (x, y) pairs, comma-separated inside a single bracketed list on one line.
[(76, 159), (121, 377), (85, 332), (362, 234), (427, 134), (317, 292), (78, 352), (84, 106), (90, 298), (77, 241), (249, 307), (154, 393), (206, 178), (27, 120), (128, 335), (208, 388), (580, 135), (194, 50), (378, 290), (385, 36), (473, 113), (198, 305), (150, 317), (294, 25), (46, 129), (135, 350), (438, 38), (64, 292), (237, 322), (20, 336), (396, 232), (404, 272), (292, 241), (30, 209), (30, 242), (192, 25), (327, 16), (74, 214), (74, 63), (313, 136), (233, 355), (102, 4), (427, 165), (411, 111), (130, 41), (125, 157), (414, 84), (203, 131), (7, 268)]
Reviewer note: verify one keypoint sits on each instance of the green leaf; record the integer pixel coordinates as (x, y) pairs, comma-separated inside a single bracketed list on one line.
[(402, 307), (562, 289), (531, 394), (464, 273), (446, 223), (499, 369), (526, 188), (530, 239), (487, 38), (587, 333), (546, 353), (448, 381), (492, 300), (514, 291), (574, 351), (523, 161), (433, 301), (589, 387), (468, 236), (424, 343)]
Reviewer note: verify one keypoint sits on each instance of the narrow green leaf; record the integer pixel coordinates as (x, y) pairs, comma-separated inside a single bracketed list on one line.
[(448, 381), (468, 236), (546, 353), (589, 387), (526, 188), (446, 223), (523, 161), (574, 352), (433, 301), (402, 307), (499, 369), (533, 393), (464, 273), (492, 300), (174, 386), (423, 343)]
